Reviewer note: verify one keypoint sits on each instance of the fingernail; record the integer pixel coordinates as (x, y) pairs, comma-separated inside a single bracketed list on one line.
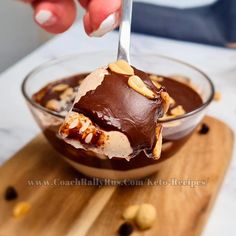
[(45, 17), (106, 26)]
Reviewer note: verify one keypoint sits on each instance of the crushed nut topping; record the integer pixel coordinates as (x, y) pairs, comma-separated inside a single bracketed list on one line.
[(139, 86), (157, 149), (60, 87), (67, 94), (165, 96), (177, 111), (156, 84), (156, 78), (121, 67), (53, 105)]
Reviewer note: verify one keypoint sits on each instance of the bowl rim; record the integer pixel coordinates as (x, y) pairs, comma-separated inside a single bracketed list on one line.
[(54, 61)]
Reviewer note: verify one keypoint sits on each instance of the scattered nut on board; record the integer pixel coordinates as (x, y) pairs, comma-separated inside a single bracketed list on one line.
[(21, 209), (146, 216), (217, 96), (130, 212), (121, 67)]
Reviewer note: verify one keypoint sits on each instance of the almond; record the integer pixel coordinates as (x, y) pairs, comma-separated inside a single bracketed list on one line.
[(165, 96), (88, 138), (121, 67), (217, 96), (60, 87), (157, 149), (21, 209), (130, 212), (67, 94), (156, 78), (146, 216), (53, 104), (156, 84), (177, 111), (139, 86)]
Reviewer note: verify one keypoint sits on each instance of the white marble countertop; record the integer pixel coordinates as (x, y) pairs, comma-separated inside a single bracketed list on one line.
[(17, 126)]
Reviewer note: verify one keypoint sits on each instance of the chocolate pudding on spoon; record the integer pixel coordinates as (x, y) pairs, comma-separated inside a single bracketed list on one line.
[(114, 142), (116, 108)]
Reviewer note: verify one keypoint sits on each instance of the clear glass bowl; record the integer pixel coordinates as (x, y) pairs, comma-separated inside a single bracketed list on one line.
[(176, 131)]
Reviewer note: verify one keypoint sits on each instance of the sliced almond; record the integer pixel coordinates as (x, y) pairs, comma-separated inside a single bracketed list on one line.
[(165, 96), (74, 123), (156, 84), (88, 138), (121, 67), (177, 111), (172, 101), (60, 87), (67, 94), (85, 125), (156, 78), (53, 104), (157, 149), (139, 86)]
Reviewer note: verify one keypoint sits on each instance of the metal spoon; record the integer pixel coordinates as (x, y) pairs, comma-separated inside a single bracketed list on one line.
[(125, 30)]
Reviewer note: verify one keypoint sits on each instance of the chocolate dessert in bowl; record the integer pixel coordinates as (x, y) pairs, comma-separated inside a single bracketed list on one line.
[(120, 125)]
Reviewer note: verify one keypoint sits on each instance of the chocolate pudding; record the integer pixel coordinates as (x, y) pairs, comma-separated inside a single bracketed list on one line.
[(59, 96)]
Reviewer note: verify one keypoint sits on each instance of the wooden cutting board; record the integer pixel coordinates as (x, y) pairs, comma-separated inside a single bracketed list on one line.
[(96, 211)]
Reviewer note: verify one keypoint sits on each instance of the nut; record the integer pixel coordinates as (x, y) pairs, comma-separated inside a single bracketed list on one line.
[(74, 123), (172, 102), (88, 138), (165, 96), (21, 209), (217, 96), (121, 67), (177, 111), (60, 87), (156, 84), (146, 216), (130, 212), (156, 78), (53, 104), (67, 94), (157, 149), (139, 86)]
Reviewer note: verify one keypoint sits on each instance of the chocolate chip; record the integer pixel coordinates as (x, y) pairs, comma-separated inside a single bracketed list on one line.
[(125, 229), (204, 129), (10, 193)]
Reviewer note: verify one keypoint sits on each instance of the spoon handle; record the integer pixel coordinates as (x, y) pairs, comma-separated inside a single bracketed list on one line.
[(125, 30)]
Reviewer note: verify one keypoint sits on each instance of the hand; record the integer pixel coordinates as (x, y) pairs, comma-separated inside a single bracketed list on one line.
[(56, 16)]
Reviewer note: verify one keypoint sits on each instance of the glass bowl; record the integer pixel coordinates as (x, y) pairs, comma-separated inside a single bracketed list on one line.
[(176, 130)]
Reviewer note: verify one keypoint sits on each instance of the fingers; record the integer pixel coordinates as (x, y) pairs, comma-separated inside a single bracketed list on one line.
[(101, 17), (54, 16)]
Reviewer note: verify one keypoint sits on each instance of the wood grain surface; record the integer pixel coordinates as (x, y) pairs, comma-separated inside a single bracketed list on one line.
[(59, 206)]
